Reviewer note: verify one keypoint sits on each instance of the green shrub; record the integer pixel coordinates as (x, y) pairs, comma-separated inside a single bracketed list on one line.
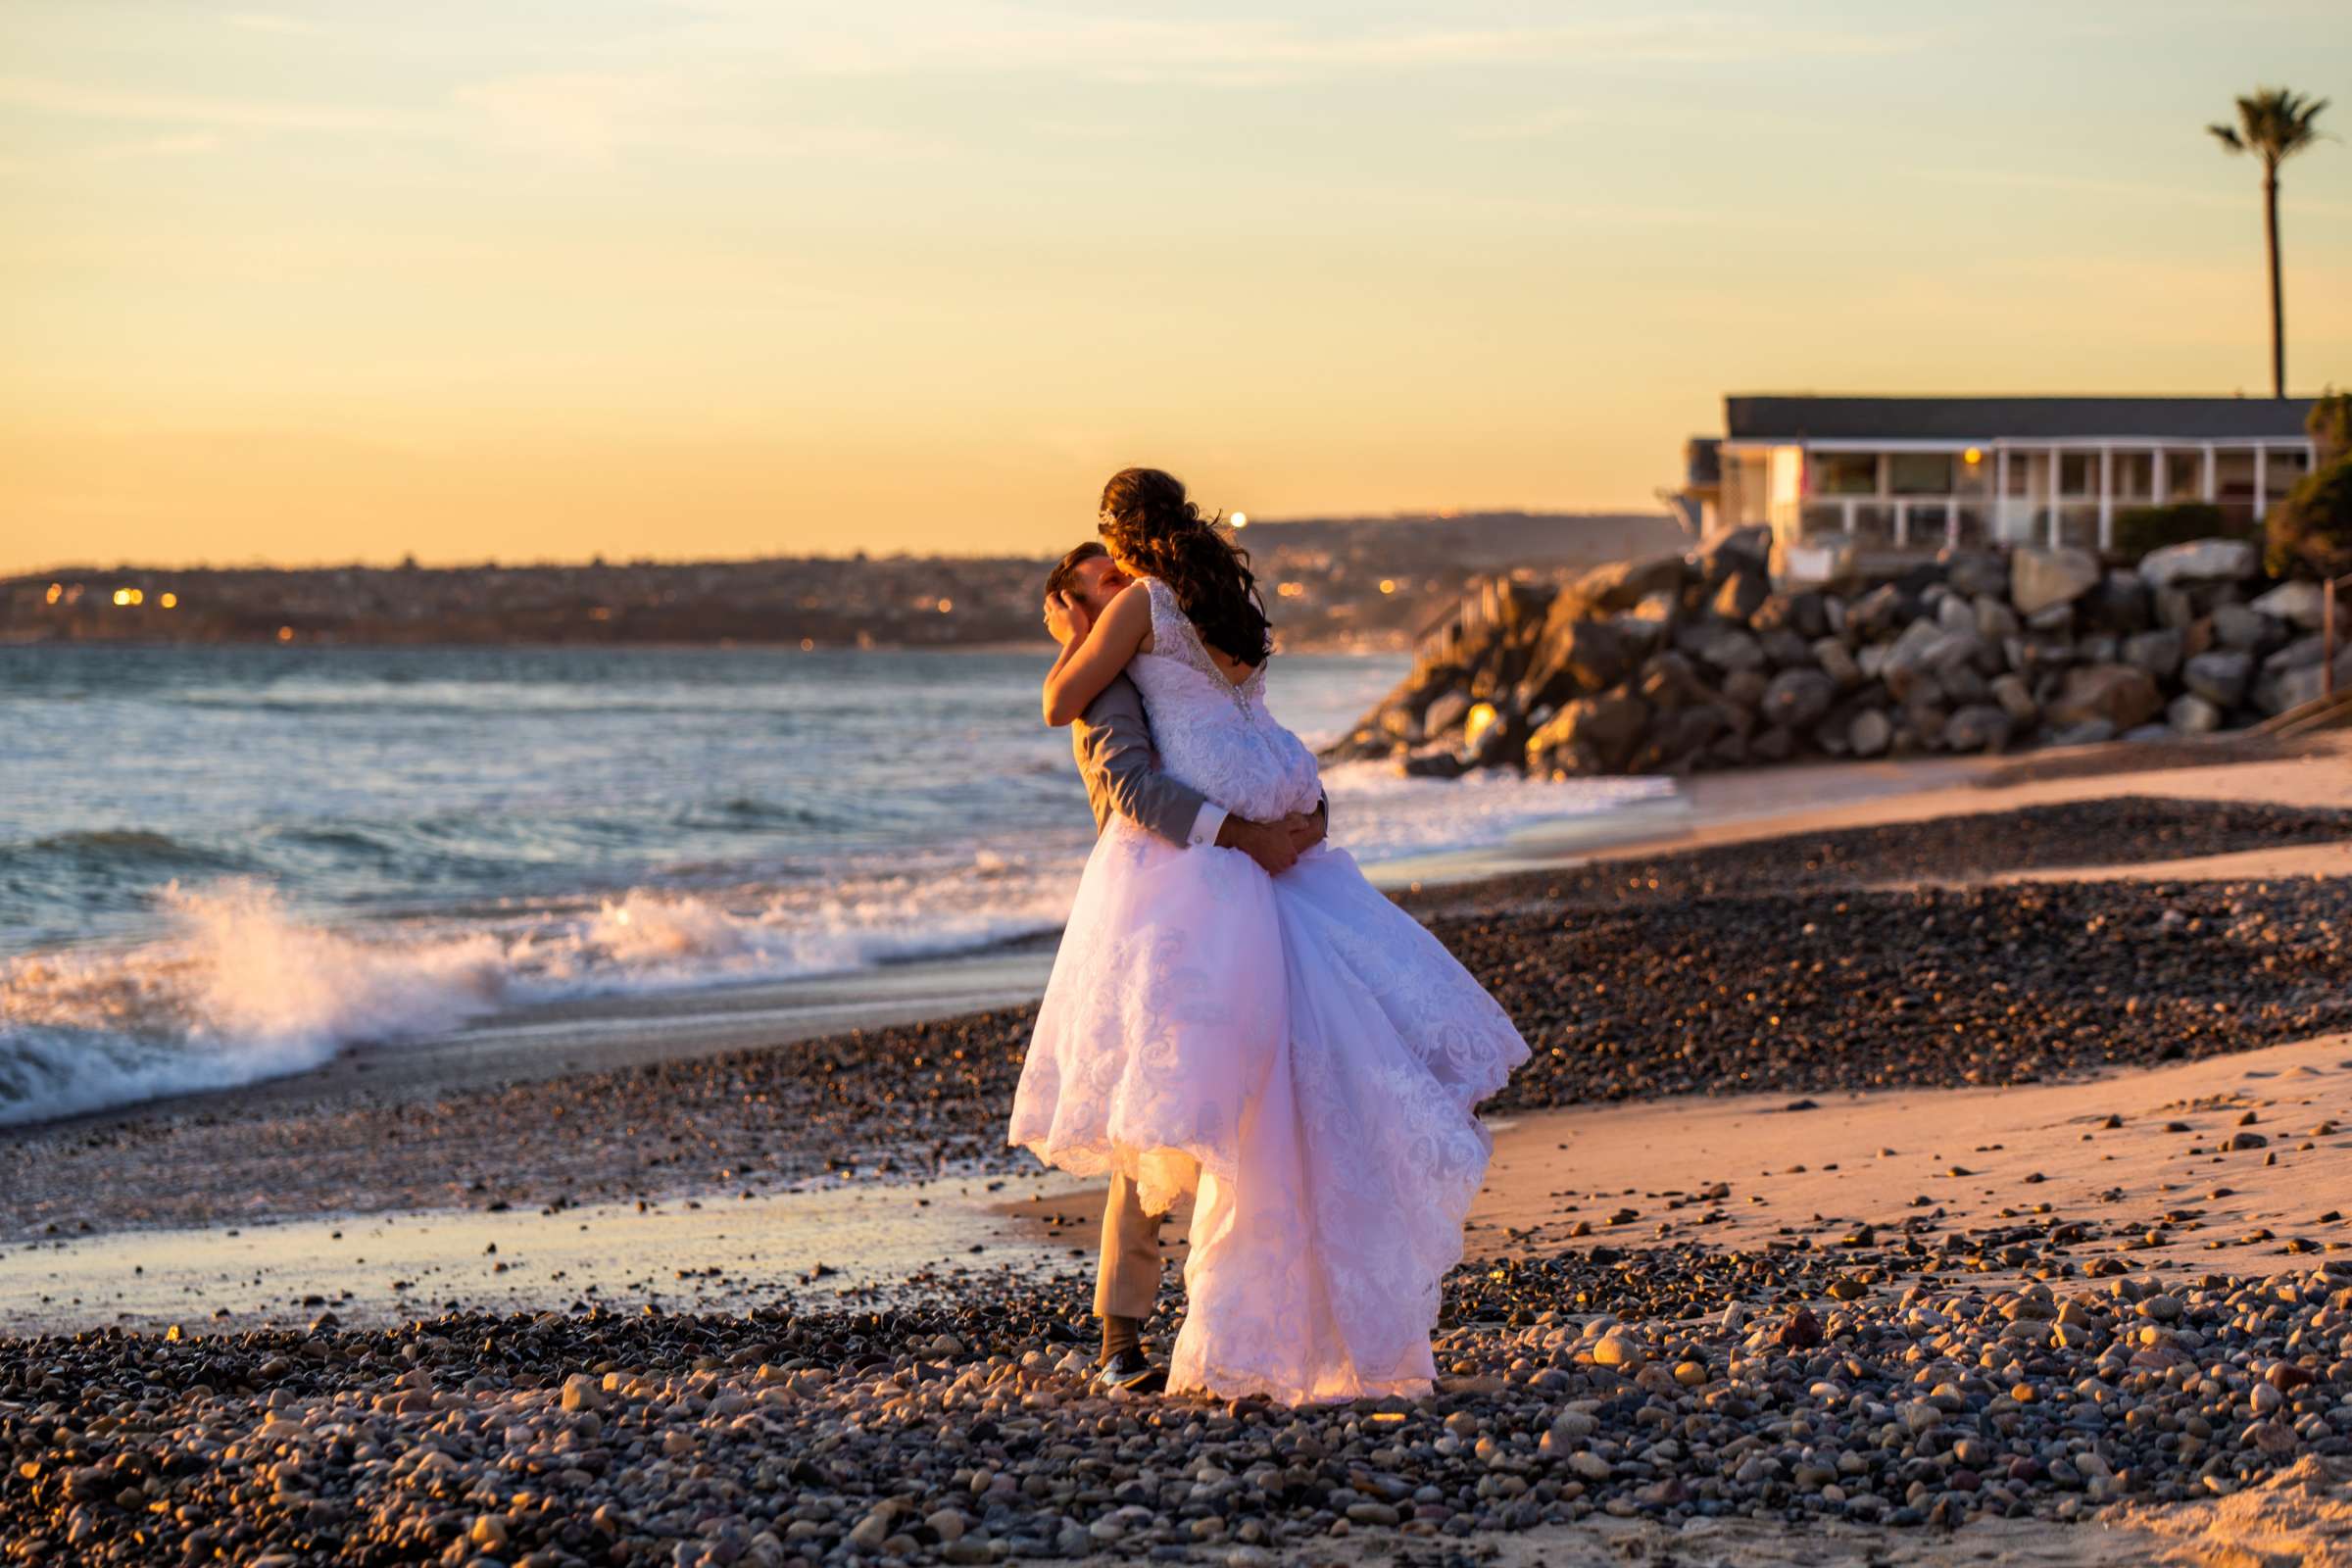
[(2140, 529), (2309, 534), (2329, 424)]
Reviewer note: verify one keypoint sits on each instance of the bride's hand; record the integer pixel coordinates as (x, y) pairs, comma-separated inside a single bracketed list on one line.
[(1066, 618)]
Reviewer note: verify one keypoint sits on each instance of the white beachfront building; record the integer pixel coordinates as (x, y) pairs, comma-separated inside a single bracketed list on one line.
[(1917, 474)]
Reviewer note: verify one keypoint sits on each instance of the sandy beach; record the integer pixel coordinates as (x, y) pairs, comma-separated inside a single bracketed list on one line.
[(1934, 1149)]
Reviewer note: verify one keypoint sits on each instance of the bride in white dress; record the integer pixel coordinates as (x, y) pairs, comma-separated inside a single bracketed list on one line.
[(1297, 1048)]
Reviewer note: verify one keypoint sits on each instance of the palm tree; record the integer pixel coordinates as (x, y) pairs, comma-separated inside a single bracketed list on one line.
[(2273, 125)]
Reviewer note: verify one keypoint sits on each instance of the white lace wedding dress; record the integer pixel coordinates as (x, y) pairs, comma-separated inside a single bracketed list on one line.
[(1296, 1047)]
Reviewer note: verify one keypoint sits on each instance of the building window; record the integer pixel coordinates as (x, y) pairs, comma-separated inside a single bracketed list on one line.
[(1921, 473), (2078, 474), (1846, 474), (2134, 476), (2283, 468), (2183, 473)]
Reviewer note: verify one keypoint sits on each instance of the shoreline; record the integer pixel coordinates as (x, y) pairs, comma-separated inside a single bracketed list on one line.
[(533, 1042)]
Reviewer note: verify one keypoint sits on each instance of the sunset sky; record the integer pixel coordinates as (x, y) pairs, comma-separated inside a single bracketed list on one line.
[(682, 277)]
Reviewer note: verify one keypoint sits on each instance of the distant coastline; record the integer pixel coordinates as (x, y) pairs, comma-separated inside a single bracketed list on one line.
[(1339, 584)]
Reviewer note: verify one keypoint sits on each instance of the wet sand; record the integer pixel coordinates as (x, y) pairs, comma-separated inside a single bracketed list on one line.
[(718, 1254)]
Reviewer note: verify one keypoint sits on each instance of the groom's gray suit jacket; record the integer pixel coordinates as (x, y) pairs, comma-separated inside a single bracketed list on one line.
[(1123, 777), (1113, 743)]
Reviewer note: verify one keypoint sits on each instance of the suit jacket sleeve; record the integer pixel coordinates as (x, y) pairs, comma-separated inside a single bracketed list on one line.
[(1115, 744)]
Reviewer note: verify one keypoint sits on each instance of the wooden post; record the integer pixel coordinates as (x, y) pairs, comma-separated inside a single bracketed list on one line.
[(2327, 635), (2000, 497), (2106, 497)]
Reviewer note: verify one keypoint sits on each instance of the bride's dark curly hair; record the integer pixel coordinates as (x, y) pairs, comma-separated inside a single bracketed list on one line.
[(1148, 523)]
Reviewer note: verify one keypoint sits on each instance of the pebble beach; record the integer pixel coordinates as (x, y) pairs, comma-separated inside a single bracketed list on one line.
[(1959, 1180)]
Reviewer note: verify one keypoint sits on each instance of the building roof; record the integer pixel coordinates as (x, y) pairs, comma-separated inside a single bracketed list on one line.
[(1864, 419)]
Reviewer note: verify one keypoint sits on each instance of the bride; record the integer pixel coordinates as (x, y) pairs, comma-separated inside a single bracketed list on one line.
[(1296, 1051)]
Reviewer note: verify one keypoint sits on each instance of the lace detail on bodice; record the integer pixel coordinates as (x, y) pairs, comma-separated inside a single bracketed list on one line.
[(1174, 636), (1211, 734)]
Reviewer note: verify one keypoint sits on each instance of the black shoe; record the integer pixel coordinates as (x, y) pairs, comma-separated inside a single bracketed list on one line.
[(1132, 1372)]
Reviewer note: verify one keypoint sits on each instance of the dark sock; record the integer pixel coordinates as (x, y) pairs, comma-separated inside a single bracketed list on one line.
[(1120, 1334)]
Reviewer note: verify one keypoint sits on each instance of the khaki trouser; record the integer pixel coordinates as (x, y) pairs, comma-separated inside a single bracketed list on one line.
[(1128, 1280)]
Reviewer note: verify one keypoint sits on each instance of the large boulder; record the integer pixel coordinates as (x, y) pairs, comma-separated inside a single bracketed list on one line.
[(2119, 604), (1728, 648), (2221, 678), (1805, 613), (1433, 762), (1871, 732), (1667, 681), (1797, 698), (2156, 652), (2016, 699), (1742, 593), (1837, 662), (1591, 735), (1878, 612), (2052, 620), (2040, 578), (1675, 739), (2192, 714), (2200, 560), (2307, 683), (1447, 712), (1739, 549), (1914, 650), (2299, 604), (1574, 656), (1624, 585), (1978, 727), (2119, 695), (1995, 621), (2243, 626), (1744, 689), (1977, 575)]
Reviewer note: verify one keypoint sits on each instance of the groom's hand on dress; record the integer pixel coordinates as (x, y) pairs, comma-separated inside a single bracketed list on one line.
[(1266, 843), (1306, 828)]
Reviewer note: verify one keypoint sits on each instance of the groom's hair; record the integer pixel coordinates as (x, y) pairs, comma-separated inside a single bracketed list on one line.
[(1065, 573)]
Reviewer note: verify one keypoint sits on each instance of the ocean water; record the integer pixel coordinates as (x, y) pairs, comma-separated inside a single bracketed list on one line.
[(222, 864)]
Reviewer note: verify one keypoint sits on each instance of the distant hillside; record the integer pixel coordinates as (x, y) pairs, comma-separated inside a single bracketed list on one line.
[(1328, 582), (1488, 541)]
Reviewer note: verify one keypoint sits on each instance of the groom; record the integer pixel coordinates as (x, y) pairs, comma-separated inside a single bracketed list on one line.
[(1114, 744)]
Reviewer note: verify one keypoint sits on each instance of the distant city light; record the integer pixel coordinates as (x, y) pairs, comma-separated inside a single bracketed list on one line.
[(285, 634), (170, 601), (1291, 590), (121, 596), (1388, 585), (57, 591), (138, 596), (945, 605), (1241, 519), (807, 645)]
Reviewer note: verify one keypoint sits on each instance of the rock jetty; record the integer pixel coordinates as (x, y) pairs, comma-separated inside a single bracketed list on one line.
[(1675, 663)]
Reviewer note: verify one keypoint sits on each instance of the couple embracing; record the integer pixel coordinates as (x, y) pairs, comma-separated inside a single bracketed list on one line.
[(1236, 1013)]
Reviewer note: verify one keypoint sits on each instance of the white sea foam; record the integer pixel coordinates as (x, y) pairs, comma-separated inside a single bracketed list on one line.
[(244, 988), (242, 991)]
